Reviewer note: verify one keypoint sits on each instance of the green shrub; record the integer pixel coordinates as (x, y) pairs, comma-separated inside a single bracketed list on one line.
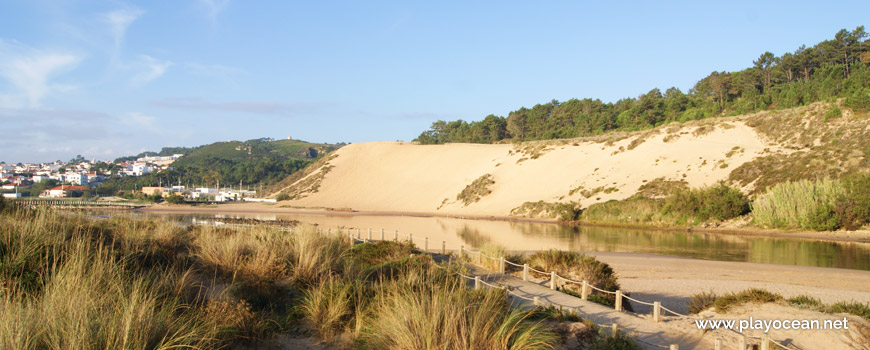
[(823, 219), (702, 301), (283, 197), (175, 199), (859, 100), (578, 267), (805, 301), (620, 342), (853, 208), (476, 190), (562, 211), (833, 113), (754, 295), (854, 308), (718, 202), (370, 254), (634, 210)]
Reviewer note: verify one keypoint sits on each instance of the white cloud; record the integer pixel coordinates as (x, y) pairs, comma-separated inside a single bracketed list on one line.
[(29, 71), (255, 107), (148, 68), (119, 21), (213, 8), (141, 122)]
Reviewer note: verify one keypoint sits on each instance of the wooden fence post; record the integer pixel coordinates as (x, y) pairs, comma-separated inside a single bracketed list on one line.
[(396, 236), (741, 342), (411, 238), (525, 272), (553, 280), (425, 244), (350, 238), (358, 235), (614, 330), (443, 247), (675, 347), (584, 291), (717, 344), (618, 304), (657, 311), (765, 341), (461, 251), (537, 300), (370, 234), (476, 282), (382, 234), (501, 264)]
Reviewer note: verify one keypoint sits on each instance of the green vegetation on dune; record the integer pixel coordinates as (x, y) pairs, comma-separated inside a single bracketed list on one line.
[(680, 207), (476, 190), (823, 204), (836, 68)]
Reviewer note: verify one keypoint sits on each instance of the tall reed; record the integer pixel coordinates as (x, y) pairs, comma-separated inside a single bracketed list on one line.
[(796, 204)]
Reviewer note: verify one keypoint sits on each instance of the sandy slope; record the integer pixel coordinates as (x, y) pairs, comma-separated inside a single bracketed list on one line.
[(392, 176)]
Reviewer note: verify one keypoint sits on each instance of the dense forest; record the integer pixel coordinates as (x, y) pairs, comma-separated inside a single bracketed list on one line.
[(837, 68)]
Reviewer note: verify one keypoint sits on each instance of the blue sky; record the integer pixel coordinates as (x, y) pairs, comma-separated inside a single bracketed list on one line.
[(110, 78)]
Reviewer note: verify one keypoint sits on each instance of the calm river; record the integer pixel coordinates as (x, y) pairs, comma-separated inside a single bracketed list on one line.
[(523, 236)]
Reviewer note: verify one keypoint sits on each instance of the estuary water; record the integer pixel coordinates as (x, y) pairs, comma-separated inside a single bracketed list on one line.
[(531, 236)]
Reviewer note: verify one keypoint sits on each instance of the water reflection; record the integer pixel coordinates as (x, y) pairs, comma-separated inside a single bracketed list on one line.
[(537, 236)]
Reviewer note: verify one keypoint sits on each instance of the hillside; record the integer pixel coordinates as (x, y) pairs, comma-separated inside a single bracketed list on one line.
[(237, 151), (750, 152), (258, 161)]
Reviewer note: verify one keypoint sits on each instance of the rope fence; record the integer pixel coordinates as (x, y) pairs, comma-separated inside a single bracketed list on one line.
[(658, 311)]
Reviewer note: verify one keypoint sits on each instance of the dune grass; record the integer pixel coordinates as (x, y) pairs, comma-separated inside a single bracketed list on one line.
[(428, 309), (681, 206), (71, 282), (724, 303)]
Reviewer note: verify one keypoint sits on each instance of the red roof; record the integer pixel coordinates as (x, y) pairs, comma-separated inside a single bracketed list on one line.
[(68, 188)]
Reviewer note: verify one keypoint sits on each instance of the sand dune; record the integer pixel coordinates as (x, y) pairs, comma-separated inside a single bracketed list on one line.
[(396, 176)]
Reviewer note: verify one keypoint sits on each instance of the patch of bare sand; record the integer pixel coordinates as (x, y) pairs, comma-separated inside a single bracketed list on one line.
[(673, 281), (856, 337), (403, 177)]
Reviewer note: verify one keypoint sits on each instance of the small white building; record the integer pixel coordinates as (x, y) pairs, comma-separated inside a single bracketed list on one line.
[(140, 169), (12, 195), (77, 179)]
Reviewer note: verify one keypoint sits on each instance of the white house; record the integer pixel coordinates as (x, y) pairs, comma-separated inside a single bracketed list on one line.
[(77, 179), (12, 195), (140, 169), (60, 191)]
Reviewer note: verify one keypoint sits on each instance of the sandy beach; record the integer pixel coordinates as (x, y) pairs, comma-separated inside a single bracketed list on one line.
[(674, 280)]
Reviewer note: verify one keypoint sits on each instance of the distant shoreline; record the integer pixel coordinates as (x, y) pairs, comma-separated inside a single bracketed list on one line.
[(258, 208)]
